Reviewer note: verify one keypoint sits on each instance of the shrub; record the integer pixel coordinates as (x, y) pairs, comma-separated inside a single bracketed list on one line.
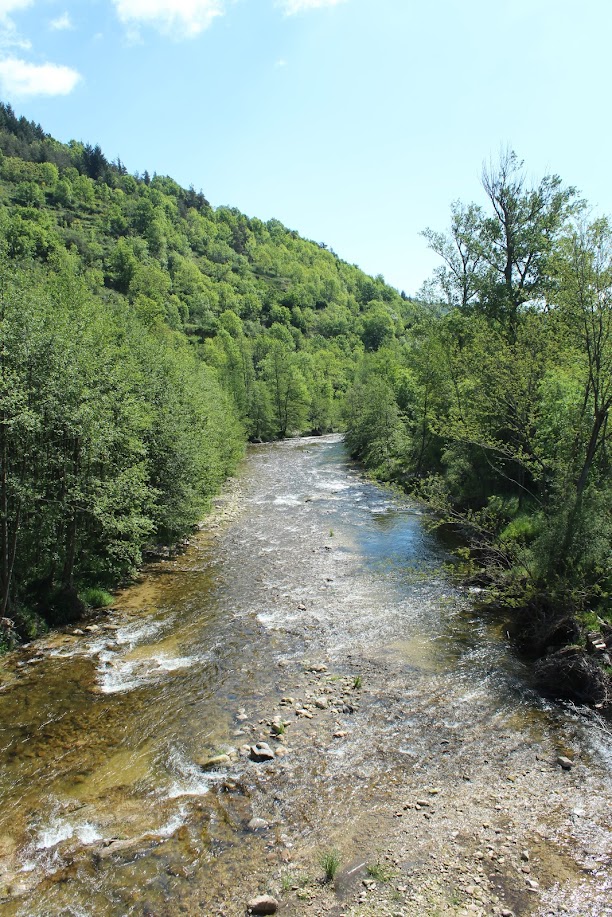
[(96, 597)]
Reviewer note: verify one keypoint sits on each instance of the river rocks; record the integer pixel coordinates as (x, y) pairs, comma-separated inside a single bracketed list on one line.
[(322, 703), (318, 668), (261, 752), (264, 904), (565, 763), (258, 824), (596, 643)]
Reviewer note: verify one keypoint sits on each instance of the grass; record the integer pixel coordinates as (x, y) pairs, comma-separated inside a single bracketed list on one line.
[(96, 597), (357, 682), (380, 872), (287, 882), (298, 882), (329, 861)]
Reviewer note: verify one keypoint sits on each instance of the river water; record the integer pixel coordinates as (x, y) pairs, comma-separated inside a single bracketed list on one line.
[(319, 586)]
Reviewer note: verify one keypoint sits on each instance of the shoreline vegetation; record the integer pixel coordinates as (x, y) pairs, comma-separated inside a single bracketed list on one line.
[(146, 336)]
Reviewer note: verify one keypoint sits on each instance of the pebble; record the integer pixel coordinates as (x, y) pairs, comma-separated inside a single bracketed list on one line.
[(258, 824), (259, 752), (564, 762)]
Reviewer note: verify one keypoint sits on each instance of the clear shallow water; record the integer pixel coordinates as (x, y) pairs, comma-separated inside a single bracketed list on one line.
[(100, 735)]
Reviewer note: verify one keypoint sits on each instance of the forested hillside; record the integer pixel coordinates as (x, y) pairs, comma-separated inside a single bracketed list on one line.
[(144, 337)]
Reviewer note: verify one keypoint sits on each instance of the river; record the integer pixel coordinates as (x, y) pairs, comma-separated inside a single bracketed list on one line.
[(410, 734)]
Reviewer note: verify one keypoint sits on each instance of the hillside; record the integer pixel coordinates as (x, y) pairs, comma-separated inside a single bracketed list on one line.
[(145, 336)]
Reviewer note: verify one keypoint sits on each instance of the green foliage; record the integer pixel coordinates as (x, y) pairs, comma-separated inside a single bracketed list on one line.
[(496, 408)]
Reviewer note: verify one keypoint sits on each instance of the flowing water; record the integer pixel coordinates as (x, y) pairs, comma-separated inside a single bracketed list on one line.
[(105, 809)]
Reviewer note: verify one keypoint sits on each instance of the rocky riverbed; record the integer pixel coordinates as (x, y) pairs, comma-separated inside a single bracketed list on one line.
[(303, 691)]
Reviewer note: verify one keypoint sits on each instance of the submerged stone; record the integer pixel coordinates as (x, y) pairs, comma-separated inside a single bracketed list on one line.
[(216, 761)]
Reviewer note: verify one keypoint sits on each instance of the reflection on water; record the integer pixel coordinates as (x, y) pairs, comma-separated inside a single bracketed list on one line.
[(100, 735)]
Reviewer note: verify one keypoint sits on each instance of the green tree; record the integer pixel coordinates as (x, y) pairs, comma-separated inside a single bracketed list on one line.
[(286, 387)]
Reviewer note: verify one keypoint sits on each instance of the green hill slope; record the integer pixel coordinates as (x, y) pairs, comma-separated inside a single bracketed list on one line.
[(145, 335)]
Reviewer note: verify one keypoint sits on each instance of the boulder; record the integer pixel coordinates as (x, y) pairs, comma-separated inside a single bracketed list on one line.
[(264, 904)]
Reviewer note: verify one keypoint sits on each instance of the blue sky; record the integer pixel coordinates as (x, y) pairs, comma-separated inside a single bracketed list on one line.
[(355, 122)]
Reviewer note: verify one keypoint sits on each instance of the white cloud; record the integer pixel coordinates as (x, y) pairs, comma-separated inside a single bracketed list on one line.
[(300, 6), (179, 18), (10, 6), (62, 23), (19, 78), (9, 36)]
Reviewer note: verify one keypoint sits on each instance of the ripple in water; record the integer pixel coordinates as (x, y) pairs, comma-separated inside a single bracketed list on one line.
[(189, 778)]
